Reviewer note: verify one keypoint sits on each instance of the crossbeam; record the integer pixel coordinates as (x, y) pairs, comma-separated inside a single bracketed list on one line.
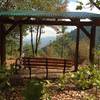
[(49, 22)]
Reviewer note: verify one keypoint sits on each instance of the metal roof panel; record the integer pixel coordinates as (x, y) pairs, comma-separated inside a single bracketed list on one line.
[(43, 14)]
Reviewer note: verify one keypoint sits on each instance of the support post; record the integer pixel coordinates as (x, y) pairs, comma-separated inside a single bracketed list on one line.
[(92, 44), (2, 46), (21, 39), (77, 48)]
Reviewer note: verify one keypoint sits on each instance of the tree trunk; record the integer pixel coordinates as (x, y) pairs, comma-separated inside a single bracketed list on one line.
[(39, 37), (36, 45), (32, 41)]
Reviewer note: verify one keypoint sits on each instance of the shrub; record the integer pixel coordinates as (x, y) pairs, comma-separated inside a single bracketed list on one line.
[(4, 80), (5, 85), (37, 90), (46, 90), (33, 90), (85, 78)]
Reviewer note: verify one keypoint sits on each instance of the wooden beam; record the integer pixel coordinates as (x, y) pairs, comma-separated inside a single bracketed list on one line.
[(10, 29), (77, 48), (85, 31), (21, 39), (49, 22), (2, 46), (92, 44)]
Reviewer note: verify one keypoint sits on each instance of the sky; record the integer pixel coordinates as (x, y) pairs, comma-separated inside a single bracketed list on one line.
[(72, 6), (49, 32)]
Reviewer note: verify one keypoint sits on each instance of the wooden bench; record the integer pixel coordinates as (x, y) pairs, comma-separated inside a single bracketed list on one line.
[(47, 63)]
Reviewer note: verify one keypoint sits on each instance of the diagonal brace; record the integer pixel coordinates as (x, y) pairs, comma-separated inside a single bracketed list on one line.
[(10, 29), (85, 31)]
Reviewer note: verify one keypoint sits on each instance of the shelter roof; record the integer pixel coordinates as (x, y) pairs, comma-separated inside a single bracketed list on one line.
[(44, 14)]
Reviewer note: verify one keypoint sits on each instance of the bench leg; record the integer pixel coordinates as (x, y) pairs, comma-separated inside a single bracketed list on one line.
[(30, 73), (46, 73)]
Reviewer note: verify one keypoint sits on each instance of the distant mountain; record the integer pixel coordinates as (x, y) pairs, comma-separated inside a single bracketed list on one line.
[(43, 42), (82, 35), (64, 46)]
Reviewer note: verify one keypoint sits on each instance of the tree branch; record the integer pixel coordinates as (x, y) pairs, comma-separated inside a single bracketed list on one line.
[(95, 4)]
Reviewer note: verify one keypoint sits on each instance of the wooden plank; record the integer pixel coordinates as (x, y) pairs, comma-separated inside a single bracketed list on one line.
[(42, 62), (46, 65)]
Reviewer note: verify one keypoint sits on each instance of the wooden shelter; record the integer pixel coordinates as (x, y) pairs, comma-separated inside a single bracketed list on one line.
[(19, 18)]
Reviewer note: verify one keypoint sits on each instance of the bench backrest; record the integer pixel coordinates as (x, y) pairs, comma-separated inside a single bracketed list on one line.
[(48, 63)]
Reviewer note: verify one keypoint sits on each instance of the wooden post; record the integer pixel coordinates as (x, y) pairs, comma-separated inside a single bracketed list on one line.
[(92, 44), (77, 48), (2, 46), (21, 39)]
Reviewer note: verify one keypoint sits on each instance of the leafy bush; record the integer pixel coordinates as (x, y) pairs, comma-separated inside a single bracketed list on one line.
[(62, 81), (33, 90), (46, 90), (37, 90), (5, 85), (85, 78), (4, 80)]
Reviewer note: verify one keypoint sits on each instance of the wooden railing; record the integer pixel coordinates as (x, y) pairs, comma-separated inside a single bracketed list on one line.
[(47, 63)]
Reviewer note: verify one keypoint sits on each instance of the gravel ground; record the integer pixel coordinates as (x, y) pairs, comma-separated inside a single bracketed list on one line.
[(60, 95), (69, 93)]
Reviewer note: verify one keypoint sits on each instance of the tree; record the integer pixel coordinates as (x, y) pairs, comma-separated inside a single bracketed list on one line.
[(45, 5), (91, 3), (15, 4), (4, 6), (38, 30), (50, 5)]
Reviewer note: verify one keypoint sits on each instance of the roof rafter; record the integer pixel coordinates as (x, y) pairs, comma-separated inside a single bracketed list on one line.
[(49, 22)]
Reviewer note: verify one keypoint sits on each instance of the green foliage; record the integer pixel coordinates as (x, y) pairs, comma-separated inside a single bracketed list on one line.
[(5, 85), (27, 50), (59, 48), (62, 82), (65, 79), (37, 90), (4, 80), (49, 5), (91, 4), (85, 78), (46, 90), (33, 90), (79, 7)]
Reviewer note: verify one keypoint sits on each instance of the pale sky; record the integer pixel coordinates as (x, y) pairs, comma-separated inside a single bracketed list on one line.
[(71, 7)]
